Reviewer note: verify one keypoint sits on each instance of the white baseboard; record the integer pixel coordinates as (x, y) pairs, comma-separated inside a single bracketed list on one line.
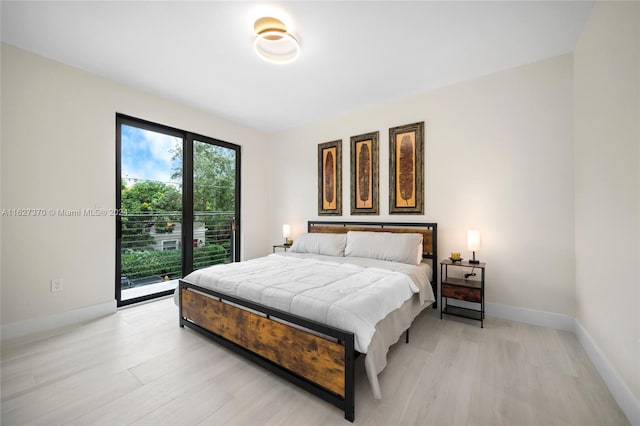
[(530, 316), (51, 322), (625, 398)]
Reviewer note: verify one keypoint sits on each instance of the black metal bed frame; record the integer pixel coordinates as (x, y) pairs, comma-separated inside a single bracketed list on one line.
[(345, 338)]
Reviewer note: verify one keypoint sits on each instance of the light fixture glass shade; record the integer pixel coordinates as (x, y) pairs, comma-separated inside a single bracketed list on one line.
[(273, 42), (473, 240), (286, 230), (277, 47)]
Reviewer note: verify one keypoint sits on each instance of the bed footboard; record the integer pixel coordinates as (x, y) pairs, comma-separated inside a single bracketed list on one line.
[(322, 366)]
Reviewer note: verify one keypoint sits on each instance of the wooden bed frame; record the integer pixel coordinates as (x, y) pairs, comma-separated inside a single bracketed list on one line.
[(287, 344)]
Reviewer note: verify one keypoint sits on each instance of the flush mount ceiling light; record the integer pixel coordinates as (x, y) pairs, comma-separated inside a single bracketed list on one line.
[(274, 43)]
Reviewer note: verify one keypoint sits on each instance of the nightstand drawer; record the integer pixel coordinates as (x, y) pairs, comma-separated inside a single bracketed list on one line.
[(461, 293)]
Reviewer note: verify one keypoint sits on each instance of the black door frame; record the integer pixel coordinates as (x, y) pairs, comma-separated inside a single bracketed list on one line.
[(188, 139)]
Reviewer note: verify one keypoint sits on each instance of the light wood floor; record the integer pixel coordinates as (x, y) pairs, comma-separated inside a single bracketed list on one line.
[(138, 367)]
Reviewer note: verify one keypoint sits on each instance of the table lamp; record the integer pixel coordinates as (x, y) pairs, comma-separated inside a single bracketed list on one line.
[(286, 231), (473, 243)]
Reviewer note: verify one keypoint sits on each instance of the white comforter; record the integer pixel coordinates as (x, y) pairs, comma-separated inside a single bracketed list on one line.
[(352, 296)]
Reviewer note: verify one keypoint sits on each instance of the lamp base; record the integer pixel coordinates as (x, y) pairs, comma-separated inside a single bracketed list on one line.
[(475, 262)]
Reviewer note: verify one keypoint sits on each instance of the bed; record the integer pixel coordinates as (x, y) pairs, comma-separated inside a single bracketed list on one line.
[(296, 313)]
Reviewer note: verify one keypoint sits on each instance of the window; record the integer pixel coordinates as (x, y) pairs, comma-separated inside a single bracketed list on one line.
[(170, 245), (173, 187)]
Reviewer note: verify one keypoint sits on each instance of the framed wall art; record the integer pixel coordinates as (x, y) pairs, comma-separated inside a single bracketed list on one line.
[(406, 169), (330, 178), (364, 174)]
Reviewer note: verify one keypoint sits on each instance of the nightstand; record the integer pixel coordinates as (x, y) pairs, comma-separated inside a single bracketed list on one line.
[(462, 289), (282, 246)]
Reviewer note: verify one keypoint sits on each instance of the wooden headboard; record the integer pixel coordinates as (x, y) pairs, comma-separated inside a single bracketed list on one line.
[(429, 233)]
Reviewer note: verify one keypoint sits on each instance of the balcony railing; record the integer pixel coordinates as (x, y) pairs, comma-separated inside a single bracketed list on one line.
[(152, 245)]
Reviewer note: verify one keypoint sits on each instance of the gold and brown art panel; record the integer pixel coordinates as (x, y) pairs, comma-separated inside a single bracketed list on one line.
[(364, 174), (406, 169), (330, 178)]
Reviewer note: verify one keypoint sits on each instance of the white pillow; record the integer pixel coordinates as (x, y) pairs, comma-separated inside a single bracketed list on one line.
[(402, 247), (326, 244)]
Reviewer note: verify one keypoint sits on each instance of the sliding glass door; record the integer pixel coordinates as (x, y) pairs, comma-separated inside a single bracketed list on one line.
[(178, 195), (214, 201)]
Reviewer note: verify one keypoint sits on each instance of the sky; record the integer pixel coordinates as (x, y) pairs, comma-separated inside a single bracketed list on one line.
[(147, 155)]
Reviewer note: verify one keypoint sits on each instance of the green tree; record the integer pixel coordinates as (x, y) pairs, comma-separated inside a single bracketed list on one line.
[(148, 203), (214, 177), (214, 187)]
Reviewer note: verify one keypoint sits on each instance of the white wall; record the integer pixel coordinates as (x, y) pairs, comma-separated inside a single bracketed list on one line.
[(498, 157), (58, 151), (607, 185)]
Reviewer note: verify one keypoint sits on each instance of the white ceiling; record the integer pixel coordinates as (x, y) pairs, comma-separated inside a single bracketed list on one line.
[(353, 54)]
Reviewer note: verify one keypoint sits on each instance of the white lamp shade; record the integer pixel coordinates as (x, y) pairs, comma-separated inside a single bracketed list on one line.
[(473, 240), (286, 230)]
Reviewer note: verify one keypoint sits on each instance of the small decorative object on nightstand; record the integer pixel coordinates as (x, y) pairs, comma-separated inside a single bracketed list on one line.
[(462, 289)]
